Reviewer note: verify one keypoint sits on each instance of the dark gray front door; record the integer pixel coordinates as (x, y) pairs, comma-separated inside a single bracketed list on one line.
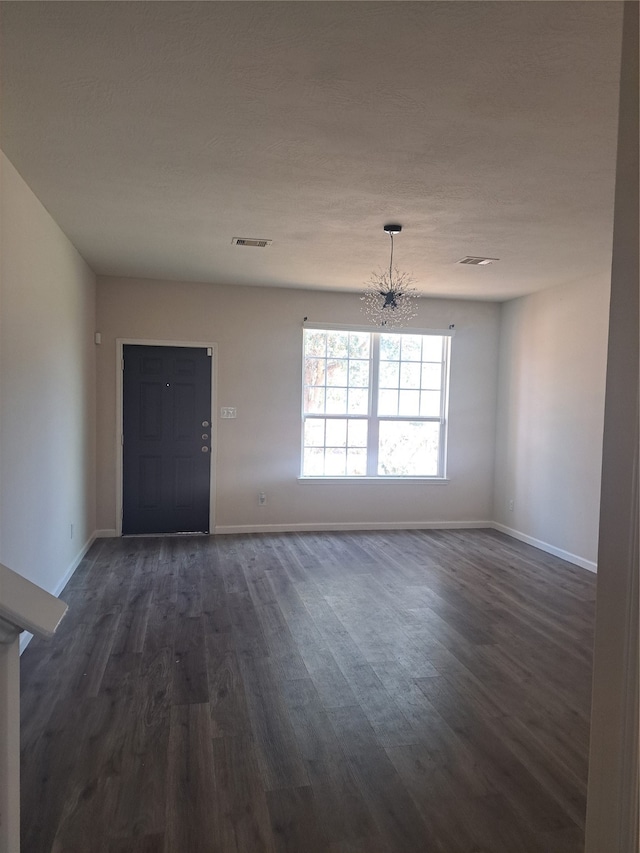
[(167, 439)]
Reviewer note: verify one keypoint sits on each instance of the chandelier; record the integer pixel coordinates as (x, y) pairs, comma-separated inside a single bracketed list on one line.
[(389, 299)]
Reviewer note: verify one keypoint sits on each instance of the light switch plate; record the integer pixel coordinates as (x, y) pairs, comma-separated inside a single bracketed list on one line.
[(228, 412)]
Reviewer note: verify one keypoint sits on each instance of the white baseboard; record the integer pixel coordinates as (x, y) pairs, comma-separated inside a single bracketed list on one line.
[(107, 533), (337, 526), (589, 565), (64, 580), (26, 637)]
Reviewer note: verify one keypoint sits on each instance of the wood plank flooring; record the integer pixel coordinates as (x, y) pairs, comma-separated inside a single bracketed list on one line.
[(387, 692)]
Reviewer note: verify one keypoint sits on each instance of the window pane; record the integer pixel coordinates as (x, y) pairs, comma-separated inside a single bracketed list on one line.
[(337, 372), (432, 348), (410, 375), (409, 403), (357, 433), (313, 462), (431, 375), (337, 344), (389, 374), (336, 433), (336, 401), (314, 400), (358, 401), (314, 432), (411, 347), (408, 448), (314, 371), (359, 344), (335, 462), (359, 373), (357, 463), (388, 403), (430, 404), (390, 347), (315, 343)]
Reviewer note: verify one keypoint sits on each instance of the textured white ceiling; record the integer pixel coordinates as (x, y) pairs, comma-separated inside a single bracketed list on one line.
[(155, 132)]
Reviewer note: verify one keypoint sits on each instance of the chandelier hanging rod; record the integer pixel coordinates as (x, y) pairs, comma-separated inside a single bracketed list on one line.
[(391, 230)]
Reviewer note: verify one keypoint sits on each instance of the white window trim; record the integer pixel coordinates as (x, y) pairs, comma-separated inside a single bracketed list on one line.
[(354, 327), (372, 452), (418, 480)]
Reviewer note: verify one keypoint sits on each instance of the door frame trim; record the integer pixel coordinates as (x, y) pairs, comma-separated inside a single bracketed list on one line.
[(120, 344)]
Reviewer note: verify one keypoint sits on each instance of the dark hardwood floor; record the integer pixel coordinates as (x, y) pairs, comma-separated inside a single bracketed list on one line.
[(348, 692)]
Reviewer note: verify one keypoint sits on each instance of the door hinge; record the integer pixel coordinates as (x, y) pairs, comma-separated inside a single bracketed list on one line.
[(122, 364), (122, 439), (209, 351)]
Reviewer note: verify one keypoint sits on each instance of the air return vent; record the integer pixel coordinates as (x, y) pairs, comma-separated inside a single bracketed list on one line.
[(477, 262), (251, 241)]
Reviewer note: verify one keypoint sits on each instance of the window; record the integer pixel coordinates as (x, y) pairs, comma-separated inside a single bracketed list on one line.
[(374, 404)]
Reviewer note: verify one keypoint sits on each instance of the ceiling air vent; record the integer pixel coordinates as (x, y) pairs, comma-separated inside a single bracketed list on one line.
[(476, 262), (251, 241)]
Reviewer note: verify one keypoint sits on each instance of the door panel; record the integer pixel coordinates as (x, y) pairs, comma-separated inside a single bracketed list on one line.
[(166, 472)]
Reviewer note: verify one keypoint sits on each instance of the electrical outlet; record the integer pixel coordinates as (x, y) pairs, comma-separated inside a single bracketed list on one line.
[(511, 505), (262, 498)]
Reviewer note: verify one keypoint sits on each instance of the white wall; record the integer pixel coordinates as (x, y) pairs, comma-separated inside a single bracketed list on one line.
[(259, 337), (553, 354), (613, 801), (550, 409), (47, 391)]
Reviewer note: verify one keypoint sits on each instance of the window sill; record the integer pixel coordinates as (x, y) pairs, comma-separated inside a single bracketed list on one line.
[(434, 481)]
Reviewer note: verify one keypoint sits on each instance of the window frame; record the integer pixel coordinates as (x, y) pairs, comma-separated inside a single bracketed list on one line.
[(373, 419)]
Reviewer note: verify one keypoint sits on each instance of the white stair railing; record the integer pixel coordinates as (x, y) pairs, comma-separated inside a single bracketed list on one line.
[(24, 606)]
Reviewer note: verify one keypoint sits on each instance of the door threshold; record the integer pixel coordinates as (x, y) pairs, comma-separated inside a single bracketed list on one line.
[(159, 535)]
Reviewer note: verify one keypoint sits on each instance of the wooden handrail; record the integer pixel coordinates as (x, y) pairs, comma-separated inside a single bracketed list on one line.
[(28, 607), (24, 606)]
